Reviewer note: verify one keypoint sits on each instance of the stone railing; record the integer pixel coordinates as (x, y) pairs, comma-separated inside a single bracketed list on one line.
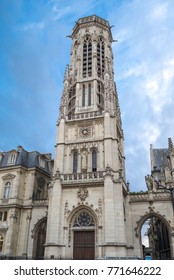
[(82, 177), (150, 196), (85, 115), (40, 202)]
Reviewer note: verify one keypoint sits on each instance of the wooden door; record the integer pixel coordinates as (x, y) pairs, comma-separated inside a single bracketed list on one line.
[(84, 245)]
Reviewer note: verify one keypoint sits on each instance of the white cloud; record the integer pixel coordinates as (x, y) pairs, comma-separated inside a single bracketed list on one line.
[(150, 132), (160, 11), (33, 25), (60, 12)]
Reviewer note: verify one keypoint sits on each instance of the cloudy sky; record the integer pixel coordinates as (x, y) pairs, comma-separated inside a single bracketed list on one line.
[(34, 51)]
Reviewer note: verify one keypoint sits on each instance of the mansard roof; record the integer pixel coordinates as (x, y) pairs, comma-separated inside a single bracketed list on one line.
[(26, 159), (161, 158)]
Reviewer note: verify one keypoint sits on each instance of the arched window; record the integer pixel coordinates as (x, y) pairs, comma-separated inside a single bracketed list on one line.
[(100, 58), (87, 58), (83, 96), (94, 161), (7, 190), (75, 162), (89, 94), (1, 242)]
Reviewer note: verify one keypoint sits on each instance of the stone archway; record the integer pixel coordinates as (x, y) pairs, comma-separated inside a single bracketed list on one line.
[(82, 233), (39, 239), (160, 244)]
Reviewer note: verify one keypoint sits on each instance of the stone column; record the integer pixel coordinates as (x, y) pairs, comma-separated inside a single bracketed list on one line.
[(26, 234), (54, 231)]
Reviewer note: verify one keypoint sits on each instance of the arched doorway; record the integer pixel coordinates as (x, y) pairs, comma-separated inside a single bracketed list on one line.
[(155, 238), (83, 236), (39, 239)]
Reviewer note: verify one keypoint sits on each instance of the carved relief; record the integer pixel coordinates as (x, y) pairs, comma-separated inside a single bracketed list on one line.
[(82, 193)]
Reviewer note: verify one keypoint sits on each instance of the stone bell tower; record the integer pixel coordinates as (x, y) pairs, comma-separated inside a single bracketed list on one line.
[(86, 216)]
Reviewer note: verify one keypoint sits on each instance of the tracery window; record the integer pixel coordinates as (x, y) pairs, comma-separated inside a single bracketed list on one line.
[(87, 58), (100, 58), (84, 220), (94, 160), (7, 190), (75, 162)]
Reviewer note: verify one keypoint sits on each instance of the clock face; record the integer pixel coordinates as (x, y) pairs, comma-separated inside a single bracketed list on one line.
[(85, 131)]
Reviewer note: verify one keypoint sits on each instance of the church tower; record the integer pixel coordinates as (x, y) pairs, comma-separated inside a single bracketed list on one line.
[(86, 216)]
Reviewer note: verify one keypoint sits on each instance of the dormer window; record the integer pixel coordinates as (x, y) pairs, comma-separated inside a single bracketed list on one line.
[(12, 158), (42, 162), (1, 156)]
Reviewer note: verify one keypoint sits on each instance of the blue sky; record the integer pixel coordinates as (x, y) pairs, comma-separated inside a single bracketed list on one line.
[(34, 51)]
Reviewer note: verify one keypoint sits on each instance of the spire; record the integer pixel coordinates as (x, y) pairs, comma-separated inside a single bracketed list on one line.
[(170, 145), (66, 75)]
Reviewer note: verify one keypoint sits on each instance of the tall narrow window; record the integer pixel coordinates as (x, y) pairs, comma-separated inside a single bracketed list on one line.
[(7, 190), (83, 96), (94, 161), (87, 58), (100, 58), (5, 216), (75, 162), (89, 94), (1, 242)]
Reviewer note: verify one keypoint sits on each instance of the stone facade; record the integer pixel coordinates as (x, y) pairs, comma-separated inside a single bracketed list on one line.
[(24, 180), (86, 210)]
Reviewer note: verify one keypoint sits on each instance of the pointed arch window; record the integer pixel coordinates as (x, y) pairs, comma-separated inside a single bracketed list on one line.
[(75, 162), (94, 160), (83, 96), (89, 94), (87, 58), (100, 58)]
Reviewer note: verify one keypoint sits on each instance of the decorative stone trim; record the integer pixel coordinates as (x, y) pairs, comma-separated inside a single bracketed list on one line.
[(82, 193)]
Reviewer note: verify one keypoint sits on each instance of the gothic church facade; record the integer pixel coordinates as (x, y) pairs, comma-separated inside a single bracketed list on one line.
[(83, 208)]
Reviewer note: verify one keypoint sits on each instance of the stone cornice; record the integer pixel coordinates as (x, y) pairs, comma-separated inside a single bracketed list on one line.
[(144, 197)]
